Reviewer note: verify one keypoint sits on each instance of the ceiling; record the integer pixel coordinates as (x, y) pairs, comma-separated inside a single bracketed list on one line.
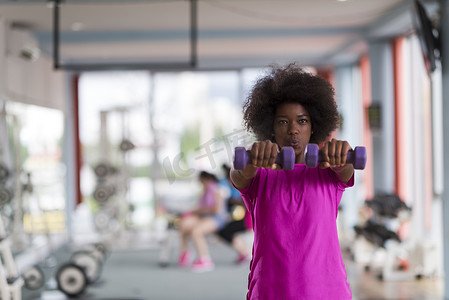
[(230, 34)]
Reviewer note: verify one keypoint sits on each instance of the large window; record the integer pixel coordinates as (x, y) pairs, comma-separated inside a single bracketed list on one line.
[(176, 124), (33, 174)]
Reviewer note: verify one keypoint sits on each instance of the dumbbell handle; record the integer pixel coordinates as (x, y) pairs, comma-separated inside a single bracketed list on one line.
[(350, 157), (356, 157), (285, 158), (249, 159)]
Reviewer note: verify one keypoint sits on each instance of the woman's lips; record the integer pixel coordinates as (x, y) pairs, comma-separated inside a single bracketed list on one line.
[(294, 144)]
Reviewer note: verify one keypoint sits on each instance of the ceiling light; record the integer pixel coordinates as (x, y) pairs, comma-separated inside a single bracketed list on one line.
[(77, 26)]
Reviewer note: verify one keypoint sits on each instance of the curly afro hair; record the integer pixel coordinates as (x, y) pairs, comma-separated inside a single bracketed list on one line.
[(291, 84)]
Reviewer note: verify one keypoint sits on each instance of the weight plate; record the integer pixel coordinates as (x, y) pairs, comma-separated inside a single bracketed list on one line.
[(5, 196), (90, 263), (102, 194), (4, 173), (101, 170), (101, 220), (71, 279), (126, 145), (100, 250), (33, 278)]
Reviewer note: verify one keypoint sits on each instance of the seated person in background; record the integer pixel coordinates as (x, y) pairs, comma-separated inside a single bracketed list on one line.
[(239, 221), (208, 217)]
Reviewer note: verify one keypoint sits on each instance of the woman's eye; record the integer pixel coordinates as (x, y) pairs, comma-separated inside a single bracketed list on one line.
[(302, 121), (282, 122)]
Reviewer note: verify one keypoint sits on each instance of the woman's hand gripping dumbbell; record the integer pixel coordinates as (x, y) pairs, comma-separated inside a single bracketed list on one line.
[(312, 155), (356, 157)]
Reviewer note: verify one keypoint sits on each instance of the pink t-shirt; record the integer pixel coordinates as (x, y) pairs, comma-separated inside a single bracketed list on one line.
[(209, 197), (296, 251)]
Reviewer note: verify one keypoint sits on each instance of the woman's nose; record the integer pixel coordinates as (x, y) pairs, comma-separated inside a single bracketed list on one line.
[(293, 128)]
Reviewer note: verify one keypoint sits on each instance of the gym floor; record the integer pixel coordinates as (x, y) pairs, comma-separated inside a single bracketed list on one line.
[(133, 273)]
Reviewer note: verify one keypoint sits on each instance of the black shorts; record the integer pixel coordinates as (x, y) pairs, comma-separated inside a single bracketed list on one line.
[(230, 229)]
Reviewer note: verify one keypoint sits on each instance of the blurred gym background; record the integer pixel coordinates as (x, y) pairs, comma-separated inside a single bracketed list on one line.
[(109, 109)]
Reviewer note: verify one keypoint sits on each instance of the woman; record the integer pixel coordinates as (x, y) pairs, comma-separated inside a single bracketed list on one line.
[(209, 217), (296, 252)]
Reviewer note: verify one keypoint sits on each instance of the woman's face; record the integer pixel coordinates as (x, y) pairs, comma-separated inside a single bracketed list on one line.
[(204, 181), (292, 127)]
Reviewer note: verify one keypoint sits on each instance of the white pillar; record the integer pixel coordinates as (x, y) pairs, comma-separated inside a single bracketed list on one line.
[(350, 103), (382, 86), (2, 57), (69, 156), (444, 34)]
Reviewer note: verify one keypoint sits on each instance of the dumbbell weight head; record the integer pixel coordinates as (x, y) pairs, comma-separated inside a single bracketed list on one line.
[(286, 158), (71, 279), (359, 158), (91, 264), (311, 155), (241, 158), (33, 278)]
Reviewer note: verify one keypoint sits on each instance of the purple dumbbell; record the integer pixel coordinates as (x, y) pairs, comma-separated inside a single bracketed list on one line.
[(356, 157), (285, 158)]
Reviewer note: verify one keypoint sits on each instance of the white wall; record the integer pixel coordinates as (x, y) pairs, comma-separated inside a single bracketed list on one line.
[(349, 100), (31, 81)]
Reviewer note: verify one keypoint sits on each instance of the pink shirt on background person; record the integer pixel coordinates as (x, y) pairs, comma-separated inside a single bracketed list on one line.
[(296, 251), (209, 197), (209, 200)]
